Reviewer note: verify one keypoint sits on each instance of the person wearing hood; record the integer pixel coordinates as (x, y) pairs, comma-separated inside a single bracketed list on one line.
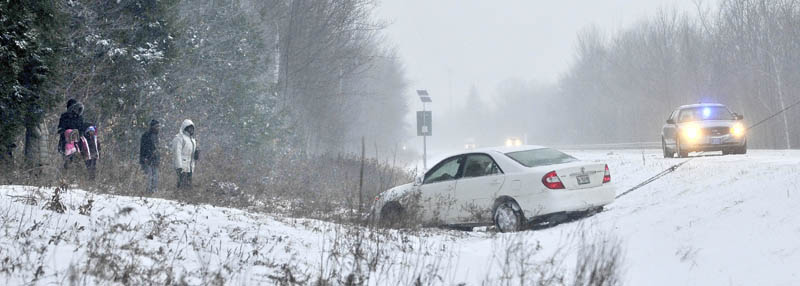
[(67, 118), (70, 120), (149, 157), (184, 148), (92, 150)]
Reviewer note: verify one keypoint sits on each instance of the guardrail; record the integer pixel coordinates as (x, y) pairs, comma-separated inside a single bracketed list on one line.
[(611, 146)]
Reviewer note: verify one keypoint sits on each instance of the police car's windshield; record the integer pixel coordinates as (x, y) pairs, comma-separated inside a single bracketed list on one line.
[(705, 113)]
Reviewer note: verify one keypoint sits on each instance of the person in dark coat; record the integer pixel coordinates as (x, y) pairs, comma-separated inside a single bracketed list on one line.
[(149, 157), (72, 119), (61, 122)]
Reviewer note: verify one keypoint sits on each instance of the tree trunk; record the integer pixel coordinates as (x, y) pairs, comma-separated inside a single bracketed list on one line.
[(361, 179), (781, 101), (35, 147)]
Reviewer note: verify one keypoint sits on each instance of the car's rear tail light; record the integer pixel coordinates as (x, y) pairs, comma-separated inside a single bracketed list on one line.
[(551, 181), (607, 176)]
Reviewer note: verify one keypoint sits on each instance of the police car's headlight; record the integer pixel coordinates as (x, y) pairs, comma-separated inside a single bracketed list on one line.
[(691, 132), (737, 130)]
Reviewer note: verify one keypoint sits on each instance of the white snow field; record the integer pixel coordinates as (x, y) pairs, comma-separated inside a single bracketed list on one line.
[(717, 220)]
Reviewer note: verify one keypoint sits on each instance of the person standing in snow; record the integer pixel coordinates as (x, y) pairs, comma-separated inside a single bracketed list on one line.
[(92, 150), (71, 120), (184, 148), (149, 157), (62, 121)]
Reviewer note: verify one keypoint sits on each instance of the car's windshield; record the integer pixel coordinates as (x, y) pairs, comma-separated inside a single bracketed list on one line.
[(705, 113), (540, 157)]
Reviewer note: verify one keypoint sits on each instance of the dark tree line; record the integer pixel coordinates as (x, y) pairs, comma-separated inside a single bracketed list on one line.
[(621, 87), (259, 78), (743, 53), (29, 37)]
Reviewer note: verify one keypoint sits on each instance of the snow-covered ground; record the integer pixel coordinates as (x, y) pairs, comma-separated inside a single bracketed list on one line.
[(717, 220)]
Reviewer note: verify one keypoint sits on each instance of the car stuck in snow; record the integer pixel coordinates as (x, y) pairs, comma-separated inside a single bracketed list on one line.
[(510, 187)]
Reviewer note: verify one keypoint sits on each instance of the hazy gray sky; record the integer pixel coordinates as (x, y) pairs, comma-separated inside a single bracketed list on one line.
[(459, 43)]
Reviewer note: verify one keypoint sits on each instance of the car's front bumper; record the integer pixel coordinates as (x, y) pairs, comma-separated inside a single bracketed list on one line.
[(557, 201), (713, 143)]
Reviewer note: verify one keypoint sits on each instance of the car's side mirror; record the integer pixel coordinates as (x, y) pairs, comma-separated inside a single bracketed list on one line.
[(418, 180), (739, 117), (670, 121)]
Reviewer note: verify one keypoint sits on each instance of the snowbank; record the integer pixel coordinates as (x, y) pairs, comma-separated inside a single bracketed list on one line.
[(717, 220)]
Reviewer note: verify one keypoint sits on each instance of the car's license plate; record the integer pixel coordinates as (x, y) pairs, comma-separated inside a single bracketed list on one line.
[(583, 180), (715, 141)]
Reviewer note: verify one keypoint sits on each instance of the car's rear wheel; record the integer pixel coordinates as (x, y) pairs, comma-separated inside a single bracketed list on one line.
[(508, 216), (667, 152)]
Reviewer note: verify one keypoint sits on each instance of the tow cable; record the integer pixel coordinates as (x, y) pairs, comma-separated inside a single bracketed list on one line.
[(675, 167), (653, 178), (773, 116)]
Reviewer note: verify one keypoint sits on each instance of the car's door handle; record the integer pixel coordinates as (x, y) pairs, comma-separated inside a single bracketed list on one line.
[(494, 182)]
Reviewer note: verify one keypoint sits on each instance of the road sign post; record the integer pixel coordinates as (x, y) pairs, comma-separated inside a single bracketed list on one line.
[(424, 125), (424, 129)]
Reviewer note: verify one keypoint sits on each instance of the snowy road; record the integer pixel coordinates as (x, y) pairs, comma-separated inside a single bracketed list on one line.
[(717, 220)]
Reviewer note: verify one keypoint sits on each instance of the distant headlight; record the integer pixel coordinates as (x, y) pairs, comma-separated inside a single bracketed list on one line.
[(691, 133), (517, 142), (737, 130), (509, 142)]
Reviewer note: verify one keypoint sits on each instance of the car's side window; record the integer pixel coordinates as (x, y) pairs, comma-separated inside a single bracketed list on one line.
[(447, 170), (674, 115), (478, 165)]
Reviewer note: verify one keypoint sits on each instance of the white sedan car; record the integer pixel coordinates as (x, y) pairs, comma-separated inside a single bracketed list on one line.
[(510, 187)]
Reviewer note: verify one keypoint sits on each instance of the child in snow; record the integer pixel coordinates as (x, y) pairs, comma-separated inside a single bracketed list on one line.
[(73, 143), (92, 153)]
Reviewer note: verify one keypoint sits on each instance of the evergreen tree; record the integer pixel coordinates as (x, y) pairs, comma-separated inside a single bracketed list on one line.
[(119, 54), (28, 35)]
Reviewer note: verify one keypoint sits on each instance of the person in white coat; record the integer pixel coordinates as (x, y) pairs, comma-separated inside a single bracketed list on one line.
[(184, 146)]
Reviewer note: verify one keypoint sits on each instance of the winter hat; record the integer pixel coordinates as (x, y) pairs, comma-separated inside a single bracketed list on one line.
[(76, 108), (70, 102), (91, 129), (154, 122)]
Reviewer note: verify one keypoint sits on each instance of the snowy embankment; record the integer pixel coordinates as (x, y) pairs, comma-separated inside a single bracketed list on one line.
[(729, 220), (716, 220)]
